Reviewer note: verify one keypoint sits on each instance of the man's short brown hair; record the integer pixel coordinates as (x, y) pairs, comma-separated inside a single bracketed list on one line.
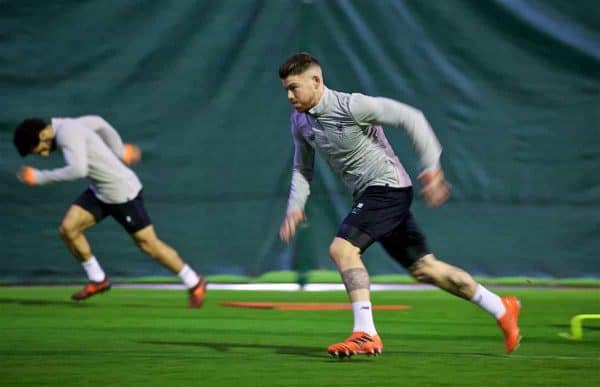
[(297, 64)]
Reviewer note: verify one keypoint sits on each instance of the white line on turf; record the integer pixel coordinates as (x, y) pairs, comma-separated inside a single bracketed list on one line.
[(282, 287)]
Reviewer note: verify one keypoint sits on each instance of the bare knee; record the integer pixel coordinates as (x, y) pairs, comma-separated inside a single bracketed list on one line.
[(335, 251), (341, 249), (68, 231), (451, 278), (148, 246), (155, 248), (426, 269), (429, 269)]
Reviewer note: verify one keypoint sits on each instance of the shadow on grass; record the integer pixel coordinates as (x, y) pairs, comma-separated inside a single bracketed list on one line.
[(78, 304), (224, 347), (32, 302), (312, 352), (303, 351)]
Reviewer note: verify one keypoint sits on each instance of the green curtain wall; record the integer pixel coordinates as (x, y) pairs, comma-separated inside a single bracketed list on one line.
[(511, 87)]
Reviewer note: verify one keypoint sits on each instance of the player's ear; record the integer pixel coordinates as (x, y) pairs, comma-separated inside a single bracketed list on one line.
[(316, 80)]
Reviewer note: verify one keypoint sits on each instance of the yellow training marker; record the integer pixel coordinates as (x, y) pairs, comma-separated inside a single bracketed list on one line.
[(576, 326)]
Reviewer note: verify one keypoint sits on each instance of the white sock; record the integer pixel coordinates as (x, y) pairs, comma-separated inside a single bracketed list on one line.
[(363, 317), (93, 270), (488, 301), (188, 276)]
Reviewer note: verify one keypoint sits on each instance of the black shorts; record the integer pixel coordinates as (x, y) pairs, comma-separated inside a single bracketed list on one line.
[(131, 215), (382, 214)]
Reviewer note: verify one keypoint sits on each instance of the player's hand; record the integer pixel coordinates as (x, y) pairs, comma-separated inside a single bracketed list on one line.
[(435, 189), (290, 224), (27, 175), (131, 154)]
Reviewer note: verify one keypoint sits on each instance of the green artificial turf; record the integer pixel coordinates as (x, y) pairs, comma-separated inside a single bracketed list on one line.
[(145, 337)]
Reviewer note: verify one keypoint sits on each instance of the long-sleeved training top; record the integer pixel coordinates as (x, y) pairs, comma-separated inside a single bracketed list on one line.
[(92, 148), (346, 130)]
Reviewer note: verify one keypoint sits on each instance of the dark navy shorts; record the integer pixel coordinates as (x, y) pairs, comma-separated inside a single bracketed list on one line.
[(131, 215), (382, 214)]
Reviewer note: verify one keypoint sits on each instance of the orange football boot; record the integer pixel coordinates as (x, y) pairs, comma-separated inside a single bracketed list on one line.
[(508, 323), (357, 343), (197, 294), (92, 288)]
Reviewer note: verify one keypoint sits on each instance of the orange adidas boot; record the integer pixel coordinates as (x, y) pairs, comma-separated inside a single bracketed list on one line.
[(197, 294), (92, 288), (357, 343), (508, 323)]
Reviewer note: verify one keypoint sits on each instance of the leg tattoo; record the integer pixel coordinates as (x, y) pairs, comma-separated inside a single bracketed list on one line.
[(459, 283), (355, 279)]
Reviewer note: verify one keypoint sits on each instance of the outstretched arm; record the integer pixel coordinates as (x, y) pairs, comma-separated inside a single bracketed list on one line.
[(303, 166), (75, 154), (129, 153), (388, 112)]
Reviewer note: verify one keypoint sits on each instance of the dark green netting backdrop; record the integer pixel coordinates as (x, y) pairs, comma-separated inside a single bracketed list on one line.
[(512, 88)]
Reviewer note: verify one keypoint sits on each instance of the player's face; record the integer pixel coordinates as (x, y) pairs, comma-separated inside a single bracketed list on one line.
[(301, 91), (44, 147)]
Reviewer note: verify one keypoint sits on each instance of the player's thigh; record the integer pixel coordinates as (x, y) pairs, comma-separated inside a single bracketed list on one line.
[(377, 212), (77, 219), (83, 213), (406, 244)]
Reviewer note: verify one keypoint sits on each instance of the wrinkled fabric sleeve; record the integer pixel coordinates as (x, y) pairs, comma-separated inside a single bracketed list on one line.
[(388, 112), (107, 133), (73, 146), (302, 173)]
